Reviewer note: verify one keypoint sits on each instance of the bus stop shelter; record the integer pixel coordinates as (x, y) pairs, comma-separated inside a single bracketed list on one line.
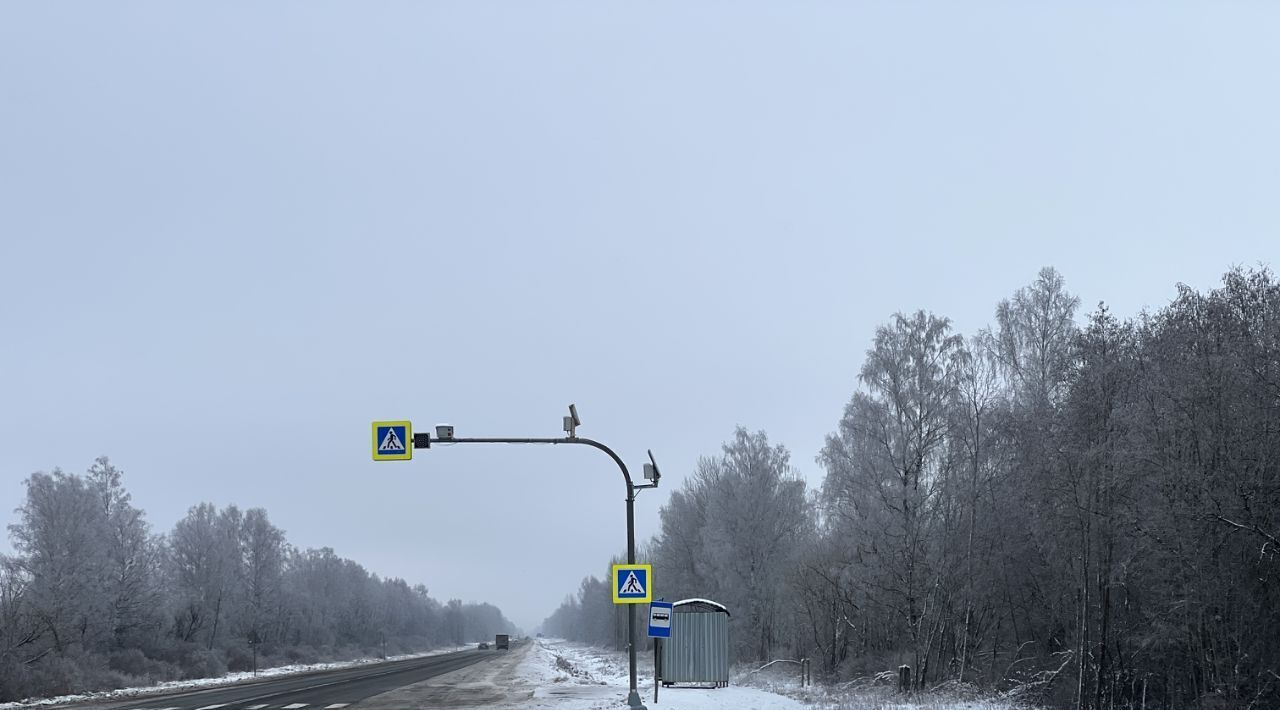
[(698, 649)]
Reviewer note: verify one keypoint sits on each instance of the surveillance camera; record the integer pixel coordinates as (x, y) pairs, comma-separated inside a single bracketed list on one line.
[(444, 431), (653, 464), (573, 412)]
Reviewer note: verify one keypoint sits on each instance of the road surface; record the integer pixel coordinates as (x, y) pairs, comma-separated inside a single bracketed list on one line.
[(322, 690)]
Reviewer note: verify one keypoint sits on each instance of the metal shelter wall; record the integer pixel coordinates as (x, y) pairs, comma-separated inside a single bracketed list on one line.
[(698, 650)]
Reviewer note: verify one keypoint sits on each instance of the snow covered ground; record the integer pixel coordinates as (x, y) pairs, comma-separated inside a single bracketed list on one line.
[(549, 674), (556, 675), (573, 677)]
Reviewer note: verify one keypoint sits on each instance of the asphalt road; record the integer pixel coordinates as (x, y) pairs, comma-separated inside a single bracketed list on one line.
[(323, 690)]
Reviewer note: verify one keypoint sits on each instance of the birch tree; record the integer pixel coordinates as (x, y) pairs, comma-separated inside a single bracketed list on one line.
[(263, 549), (1094, 480), (885, 459), (756, 521), (131, 558), (61, 539), (975, 440), (205, 568), (1034, 337)]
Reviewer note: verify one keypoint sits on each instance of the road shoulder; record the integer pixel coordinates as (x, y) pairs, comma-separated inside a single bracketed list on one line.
[(554, 675)]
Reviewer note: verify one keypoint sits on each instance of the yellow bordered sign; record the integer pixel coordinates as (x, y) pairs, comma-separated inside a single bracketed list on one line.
[(632, 584), (392, 441)]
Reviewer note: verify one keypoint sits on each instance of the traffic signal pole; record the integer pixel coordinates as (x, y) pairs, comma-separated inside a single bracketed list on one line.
[(633, 698)]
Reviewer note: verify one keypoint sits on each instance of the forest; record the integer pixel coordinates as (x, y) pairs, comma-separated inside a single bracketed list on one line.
[(93, 599), (1066, 507)]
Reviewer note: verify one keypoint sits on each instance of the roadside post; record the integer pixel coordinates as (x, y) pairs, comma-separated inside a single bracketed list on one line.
[(254, 640), (659, 628), (395, 441)]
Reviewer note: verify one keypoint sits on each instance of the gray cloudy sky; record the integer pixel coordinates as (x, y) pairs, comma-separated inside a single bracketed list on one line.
[(232, 234)]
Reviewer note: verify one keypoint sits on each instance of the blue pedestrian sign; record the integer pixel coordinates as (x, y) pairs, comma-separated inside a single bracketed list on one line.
[(392, 441), (632, 584), (660, 620)]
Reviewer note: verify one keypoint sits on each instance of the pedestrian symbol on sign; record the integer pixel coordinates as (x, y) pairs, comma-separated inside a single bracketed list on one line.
[(391, 443), (632, 585)]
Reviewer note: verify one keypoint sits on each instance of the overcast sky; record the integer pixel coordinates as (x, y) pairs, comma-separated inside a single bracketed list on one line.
[(233, 234)]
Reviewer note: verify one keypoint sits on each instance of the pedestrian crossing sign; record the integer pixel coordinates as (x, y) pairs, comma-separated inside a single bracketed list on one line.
[(632, 584), (392, 441)]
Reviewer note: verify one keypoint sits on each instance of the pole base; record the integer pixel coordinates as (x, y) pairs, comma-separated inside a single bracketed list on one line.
[(633, 700)]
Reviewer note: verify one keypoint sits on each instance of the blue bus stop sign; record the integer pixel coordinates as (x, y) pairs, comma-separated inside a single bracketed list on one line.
[(660, 620)]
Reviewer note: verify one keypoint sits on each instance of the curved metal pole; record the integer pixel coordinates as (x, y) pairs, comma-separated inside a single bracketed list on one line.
[(633, 698)]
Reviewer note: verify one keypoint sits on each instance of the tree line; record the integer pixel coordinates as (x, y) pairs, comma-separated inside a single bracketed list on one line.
[(93, 599), (1083, 511)]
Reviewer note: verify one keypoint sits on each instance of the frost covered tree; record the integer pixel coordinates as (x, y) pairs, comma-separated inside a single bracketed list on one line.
[(62, 540), (131, 559), (733, 533), (21, 633), (975, 445), (205, 566), (757, 521), (886, 468), (1034, 337), (1089, 517), (682, 564), (263, 550), (92, 599)]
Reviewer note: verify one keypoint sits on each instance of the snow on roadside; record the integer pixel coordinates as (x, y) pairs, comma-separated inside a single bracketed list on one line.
[(863, 696), (228, 679), (570, 676), (559, 675)]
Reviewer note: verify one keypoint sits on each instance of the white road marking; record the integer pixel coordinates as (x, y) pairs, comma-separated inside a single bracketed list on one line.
[(256, 707), (336, 706), (295, 706), (213, 707)]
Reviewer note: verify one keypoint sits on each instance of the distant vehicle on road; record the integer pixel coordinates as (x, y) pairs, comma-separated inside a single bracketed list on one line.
[(502, 641), (484, 646)]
